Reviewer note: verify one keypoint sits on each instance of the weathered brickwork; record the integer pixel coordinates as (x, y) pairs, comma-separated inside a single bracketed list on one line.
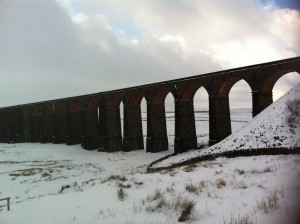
[(94, 120)]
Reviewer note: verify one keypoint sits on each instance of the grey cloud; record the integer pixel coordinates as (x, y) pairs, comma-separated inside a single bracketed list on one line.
[(46, 53)]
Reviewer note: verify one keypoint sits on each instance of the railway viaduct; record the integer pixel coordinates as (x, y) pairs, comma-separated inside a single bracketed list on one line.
[(94, 120)]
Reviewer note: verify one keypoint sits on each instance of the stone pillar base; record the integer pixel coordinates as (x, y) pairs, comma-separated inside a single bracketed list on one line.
[(46, 139), (157, 144), (133, 143), (72, 140), (90, 142), (183, 145), (58, 139)]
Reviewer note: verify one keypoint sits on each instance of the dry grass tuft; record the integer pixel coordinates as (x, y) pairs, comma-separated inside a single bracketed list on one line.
[(240, 220), (195, 188), (240, 172), (115, 178), (155, 196), (192, 188), (190, 167), (157, 202), (267, 169), (268, 204), (187, 209), (220, 182)]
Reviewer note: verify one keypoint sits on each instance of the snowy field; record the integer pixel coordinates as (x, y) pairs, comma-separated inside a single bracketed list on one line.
[(34, 175), (66, 184)]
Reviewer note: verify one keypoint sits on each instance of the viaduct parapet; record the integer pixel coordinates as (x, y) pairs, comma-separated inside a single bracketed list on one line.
[(94, 120)]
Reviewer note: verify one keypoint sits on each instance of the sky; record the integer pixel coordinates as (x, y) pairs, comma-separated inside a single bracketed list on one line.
[(61, 48)]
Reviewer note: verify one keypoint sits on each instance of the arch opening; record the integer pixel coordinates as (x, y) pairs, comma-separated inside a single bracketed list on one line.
[(284, 84), (143, 106), (121, 107), (201, 113), (170, 119), (240, 104)]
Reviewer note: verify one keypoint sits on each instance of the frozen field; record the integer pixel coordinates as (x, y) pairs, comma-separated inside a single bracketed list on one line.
[(34, 176)]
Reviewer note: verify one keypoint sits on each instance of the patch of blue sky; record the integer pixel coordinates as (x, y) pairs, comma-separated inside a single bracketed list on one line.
[(127, 27), (291, 4)]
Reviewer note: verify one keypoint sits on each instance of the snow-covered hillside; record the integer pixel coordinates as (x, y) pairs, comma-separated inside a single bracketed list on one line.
[(269, 129)]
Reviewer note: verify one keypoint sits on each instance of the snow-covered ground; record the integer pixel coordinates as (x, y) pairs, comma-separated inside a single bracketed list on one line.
[(66, 184), (33, 176)]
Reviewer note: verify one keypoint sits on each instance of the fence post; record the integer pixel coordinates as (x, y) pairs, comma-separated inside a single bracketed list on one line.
[(8, 206), (7, 202)]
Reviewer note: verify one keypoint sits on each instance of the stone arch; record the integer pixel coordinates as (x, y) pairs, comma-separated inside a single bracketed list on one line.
[(114, 102), (60, 107), (133, 130), (240, 105), (90, 132), (47, 126), (220, 125), (75, 106), (284, 84), (225, 87), (114, 127), (136, 98), (190, 91), (92, 104), (37, 114), (201, 117), (61, 122), (271, 79), (160, 95), (75, 123)]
